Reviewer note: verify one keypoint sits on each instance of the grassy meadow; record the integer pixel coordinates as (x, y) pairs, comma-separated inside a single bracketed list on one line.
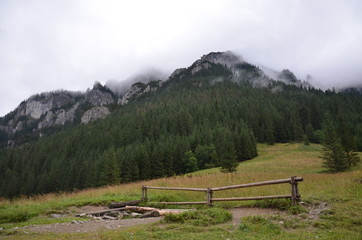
[(341, 192)]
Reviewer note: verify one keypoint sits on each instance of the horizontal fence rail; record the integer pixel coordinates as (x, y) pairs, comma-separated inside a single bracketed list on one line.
[(287, 180), (175, 188), (295, 196)]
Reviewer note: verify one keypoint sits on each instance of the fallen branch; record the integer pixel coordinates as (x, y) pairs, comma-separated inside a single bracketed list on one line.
[(162, 212), (99, 213), (123, 204)]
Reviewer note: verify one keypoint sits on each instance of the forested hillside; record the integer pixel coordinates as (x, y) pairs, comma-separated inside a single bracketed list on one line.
[(191, 123)]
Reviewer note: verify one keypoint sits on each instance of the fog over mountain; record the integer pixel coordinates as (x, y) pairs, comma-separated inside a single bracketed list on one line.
[(70, 44)]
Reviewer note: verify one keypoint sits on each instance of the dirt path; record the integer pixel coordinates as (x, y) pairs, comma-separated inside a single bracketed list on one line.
[(89, 226), (95, 225)]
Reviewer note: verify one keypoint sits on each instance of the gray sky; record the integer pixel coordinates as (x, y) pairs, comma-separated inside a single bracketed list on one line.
[(69, 44)]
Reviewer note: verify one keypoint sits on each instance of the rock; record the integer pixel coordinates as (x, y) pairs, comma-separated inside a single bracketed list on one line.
[(134, 215), (94, 114), (36, 109), (134, 91), (113, 214), (74, 222), (281, 222), (105, 217), (99, 95), (54, 215)]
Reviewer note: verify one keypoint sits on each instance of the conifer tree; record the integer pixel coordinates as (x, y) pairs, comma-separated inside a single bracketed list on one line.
[(333, 154), (347, 142), (109, 171), (226, 151)]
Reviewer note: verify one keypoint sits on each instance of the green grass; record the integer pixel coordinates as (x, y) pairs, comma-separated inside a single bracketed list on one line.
[(342, 192), (203, 217)]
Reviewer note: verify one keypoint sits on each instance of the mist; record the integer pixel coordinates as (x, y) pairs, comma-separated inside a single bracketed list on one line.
[(144, 76), (70, 44)]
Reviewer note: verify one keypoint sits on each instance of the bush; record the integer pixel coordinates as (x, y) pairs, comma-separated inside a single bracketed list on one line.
[(16, 216)]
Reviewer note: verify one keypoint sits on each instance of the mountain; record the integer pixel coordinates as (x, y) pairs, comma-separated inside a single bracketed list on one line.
[(210, 114), (45, 113)]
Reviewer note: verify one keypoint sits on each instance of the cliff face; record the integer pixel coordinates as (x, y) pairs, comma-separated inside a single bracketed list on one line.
[(52, 109)]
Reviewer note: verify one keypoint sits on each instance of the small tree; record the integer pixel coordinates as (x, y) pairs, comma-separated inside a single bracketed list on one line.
[(190, 162), (228, 160), (334, 156), (109, 172)]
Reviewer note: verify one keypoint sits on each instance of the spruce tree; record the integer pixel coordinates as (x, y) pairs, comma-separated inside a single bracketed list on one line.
[(109, 170), (226, 151), (347, 141), (333, 154)]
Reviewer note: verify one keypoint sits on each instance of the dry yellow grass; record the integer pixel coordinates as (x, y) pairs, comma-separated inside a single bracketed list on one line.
[(273, 162)]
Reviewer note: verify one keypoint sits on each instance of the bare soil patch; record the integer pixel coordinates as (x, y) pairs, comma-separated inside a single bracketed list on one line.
[(89, 226), (241, 212)]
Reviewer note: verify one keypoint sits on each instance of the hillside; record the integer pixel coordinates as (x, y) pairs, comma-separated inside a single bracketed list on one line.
[(333, 202), (209, 114)]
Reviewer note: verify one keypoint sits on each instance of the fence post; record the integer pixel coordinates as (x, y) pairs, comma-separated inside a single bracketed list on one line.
[(144, 193), (209, 196), (294, 190)]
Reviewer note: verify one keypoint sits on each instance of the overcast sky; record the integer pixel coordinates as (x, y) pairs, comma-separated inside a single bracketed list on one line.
[(69, 44)]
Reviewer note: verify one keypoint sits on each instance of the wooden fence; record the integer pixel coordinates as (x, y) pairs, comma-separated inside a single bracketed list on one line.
[(293, 181)]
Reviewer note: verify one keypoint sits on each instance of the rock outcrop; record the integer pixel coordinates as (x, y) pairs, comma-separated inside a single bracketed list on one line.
[(57, 108), (99, 95), (95, 113), (139, 89)]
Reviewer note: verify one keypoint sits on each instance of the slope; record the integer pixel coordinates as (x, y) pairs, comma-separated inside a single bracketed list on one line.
[(341, 193)]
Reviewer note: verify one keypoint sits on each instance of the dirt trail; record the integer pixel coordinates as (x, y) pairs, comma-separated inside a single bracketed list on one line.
[(89, 226), (95, 225)]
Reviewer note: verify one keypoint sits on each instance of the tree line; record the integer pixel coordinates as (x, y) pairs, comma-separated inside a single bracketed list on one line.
[(183, 128)]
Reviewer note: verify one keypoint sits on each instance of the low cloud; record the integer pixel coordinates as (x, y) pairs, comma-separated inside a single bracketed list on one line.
[(70, 44)]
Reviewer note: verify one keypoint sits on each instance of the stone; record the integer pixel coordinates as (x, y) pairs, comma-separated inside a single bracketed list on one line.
[(54, 215), (106, 217), (134, 215), (94, 114)]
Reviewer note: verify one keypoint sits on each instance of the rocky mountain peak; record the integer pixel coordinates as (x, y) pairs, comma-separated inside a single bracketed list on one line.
[(228, 58), (100, 95)]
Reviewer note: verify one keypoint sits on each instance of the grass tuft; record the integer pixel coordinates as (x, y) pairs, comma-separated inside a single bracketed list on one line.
[(204, 217)]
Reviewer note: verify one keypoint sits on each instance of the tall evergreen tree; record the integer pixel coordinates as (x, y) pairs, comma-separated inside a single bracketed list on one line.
[(109, 170), (334, 156), (226, 151)]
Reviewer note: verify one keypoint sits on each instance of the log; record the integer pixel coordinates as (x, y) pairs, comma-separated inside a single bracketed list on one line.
[(251, 198), (99, 212), (171, 211), (140, 209), (123, 204), (177, 188), (161, 212), (151, 214), (288, 180), (181, 203)]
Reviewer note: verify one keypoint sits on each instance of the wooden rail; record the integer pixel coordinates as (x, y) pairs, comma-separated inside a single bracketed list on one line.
[(295, 196)]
